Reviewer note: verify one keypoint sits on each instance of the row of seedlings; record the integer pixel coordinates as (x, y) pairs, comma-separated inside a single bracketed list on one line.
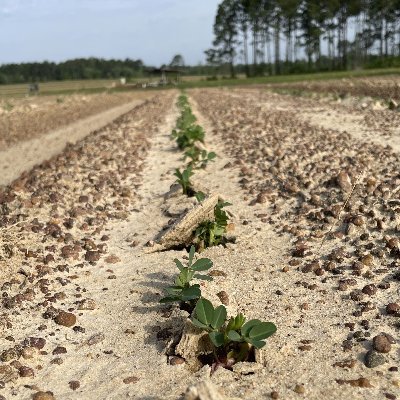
[(189, 137), (233, 339)]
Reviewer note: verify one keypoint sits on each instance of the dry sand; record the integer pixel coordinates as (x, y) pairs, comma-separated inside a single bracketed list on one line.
[(24, 155), (121, 354)]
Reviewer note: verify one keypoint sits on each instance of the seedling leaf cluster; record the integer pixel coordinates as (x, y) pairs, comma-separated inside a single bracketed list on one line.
[(183, 290), (211, 233), (233, 338)]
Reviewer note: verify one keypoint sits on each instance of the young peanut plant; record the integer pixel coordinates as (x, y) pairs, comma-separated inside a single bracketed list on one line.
[(186, 119), (211, 233), (232, 339), (183, 291), (182, 101), (186, 138), (184, 180), (199, 158)]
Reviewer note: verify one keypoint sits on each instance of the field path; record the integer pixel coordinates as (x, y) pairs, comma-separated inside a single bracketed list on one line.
[(24, 155)]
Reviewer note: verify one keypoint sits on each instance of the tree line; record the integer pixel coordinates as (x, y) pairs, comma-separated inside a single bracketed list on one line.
[(276, 36), (82, 68)]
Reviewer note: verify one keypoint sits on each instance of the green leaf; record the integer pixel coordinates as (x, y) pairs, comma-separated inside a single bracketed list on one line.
[(179, 264), (190, 293), (233, 335), (223, 204), (200, 196), (204, 311), (203, 264), (236, 323), (183, 278), (258, 344), (219, 317), (178, 282), (173, 290), (203, 277), (211, 155), (199, 324), (262, 331), (191, 255), (178, 174), (217, 338), (248, 325)]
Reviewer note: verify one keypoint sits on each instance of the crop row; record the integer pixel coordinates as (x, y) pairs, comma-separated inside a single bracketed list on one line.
[(233, 338)]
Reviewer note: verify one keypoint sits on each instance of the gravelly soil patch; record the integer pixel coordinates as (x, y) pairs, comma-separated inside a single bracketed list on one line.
[(52, 221), (81, 312), (24, 119), (303, 174)]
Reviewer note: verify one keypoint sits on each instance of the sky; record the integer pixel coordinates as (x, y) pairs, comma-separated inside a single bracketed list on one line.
[(150, 30)]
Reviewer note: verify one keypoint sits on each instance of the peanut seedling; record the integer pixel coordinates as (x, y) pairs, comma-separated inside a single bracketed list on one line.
[(232, 339), (211, 233), (184, 180), (183, 291), (198, 157), (187, 137)]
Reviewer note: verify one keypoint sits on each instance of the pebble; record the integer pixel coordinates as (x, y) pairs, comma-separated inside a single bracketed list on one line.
[(367, 260), (130, 379), (344, 182), (26, 372), (43, 396), (29, 352), (59, 350), (374, 359), (223, 296), (65, 319), (176, 360), (74, 385), (274, 395), (381, 344), (300, 389), (38, 343), (393, 309), (369, 289), (112, 259), (92, 256)]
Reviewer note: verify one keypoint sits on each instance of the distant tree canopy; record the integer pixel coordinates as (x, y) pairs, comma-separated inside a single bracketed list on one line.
[(177, 61), (82, 68), (314, 34)]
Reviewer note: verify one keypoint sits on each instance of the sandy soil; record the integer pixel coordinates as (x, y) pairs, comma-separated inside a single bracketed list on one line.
[(385, 88), (23, 155), (75, 231), (364, 119), (24, 119)]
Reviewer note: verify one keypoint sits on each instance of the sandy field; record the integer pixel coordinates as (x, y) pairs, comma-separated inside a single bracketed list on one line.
[(315, 193)]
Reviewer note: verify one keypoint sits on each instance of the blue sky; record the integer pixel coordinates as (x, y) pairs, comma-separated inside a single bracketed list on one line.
[(152, 30)]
